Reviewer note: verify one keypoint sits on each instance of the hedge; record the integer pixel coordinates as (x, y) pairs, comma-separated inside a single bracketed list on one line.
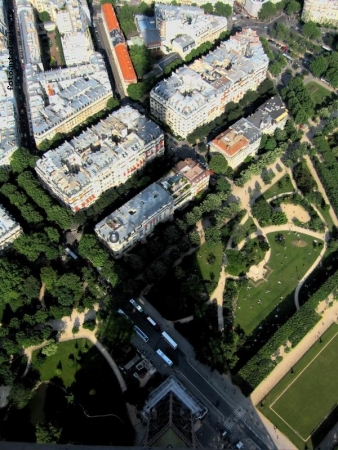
[(294, 330)]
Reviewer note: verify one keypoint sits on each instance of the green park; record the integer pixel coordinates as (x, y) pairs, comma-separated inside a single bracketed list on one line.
[(292, 255), (302, 405)]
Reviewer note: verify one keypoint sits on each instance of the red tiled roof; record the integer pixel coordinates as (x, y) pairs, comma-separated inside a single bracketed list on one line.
[(125, 63), (110, 17)]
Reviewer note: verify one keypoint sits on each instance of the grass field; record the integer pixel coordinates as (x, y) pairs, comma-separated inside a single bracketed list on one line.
[(286, 270), (61, 359), (303, 399), (318, 92), (209, 271), (283, 185)]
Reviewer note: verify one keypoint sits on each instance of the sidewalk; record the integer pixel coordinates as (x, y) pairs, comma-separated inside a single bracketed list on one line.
[(290, 359)]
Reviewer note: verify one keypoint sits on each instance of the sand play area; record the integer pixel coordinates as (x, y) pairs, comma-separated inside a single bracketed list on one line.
[(295, 212)]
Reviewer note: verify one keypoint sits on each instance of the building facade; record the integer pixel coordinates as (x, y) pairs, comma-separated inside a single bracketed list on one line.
[(135, 220), (243, 138), (321, 11), (100, 158), (9, 136), (118, 47), (193, 2), (183, 28), (196, 94), (9, 229), (185, 181), (237, 143), (59, 100)]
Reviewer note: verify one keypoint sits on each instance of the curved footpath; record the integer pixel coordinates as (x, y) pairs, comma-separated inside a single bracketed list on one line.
[(65, 328)]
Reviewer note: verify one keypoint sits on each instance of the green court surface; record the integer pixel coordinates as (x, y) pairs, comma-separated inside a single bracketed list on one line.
[(306, 395)]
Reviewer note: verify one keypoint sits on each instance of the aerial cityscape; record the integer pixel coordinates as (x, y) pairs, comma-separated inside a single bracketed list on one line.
[(169, 224)]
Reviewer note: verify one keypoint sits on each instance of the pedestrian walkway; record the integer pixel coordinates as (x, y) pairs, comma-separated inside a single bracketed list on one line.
[(290, 359)]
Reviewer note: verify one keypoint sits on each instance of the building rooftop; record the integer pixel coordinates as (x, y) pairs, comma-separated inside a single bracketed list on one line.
[(110, 17), (184, 40), (67, 90), (121, 223), (188, 20), (176, 387), (7, 224), (192, 88), (269, 112), (237, 137), (79, 162), (147, 28)]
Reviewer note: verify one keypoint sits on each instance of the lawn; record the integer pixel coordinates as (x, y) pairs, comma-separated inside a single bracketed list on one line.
[(305, 396), (318, 92), (270, 293), (61, 359), (209, 271), (282, 186)]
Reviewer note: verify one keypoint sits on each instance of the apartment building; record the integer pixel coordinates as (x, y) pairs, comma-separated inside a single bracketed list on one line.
[(196, 94), (8, 115), (29, 35), (271, 115), (243, 138), (118, 47), (102, 157), (59, 100), (185, 181), (135, 220), (53, 7), (9, 229), (176, 24), (73, 25), (321, 11), (192, 2), (237, 143)]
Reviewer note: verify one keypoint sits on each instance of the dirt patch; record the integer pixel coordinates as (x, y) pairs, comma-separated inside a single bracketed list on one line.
[(299, 243), (295, 212)]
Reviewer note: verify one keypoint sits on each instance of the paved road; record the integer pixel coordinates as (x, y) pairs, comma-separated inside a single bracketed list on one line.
[(228, 408)]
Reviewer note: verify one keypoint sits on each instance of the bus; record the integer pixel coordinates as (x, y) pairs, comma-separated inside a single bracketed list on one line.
[(141, 334), (168, 339), (164, 357), (153, 323), (136, 305)]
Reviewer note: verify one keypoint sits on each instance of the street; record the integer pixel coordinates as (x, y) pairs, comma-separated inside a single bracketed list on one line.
[(228, 408)]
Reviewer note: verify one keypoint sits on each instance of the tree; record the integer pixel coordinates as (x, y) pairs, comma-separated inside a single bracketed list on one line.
[(319, 66), (142, 59), (267, 11), (20, 394), (221, 9), (218, 163), (47, 432), (208, 8), (292, 7), (112, 103), (50, 349), (21, 160), (223, 186), (4, 174), (311, 30), (44, 16), (136, 91)]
